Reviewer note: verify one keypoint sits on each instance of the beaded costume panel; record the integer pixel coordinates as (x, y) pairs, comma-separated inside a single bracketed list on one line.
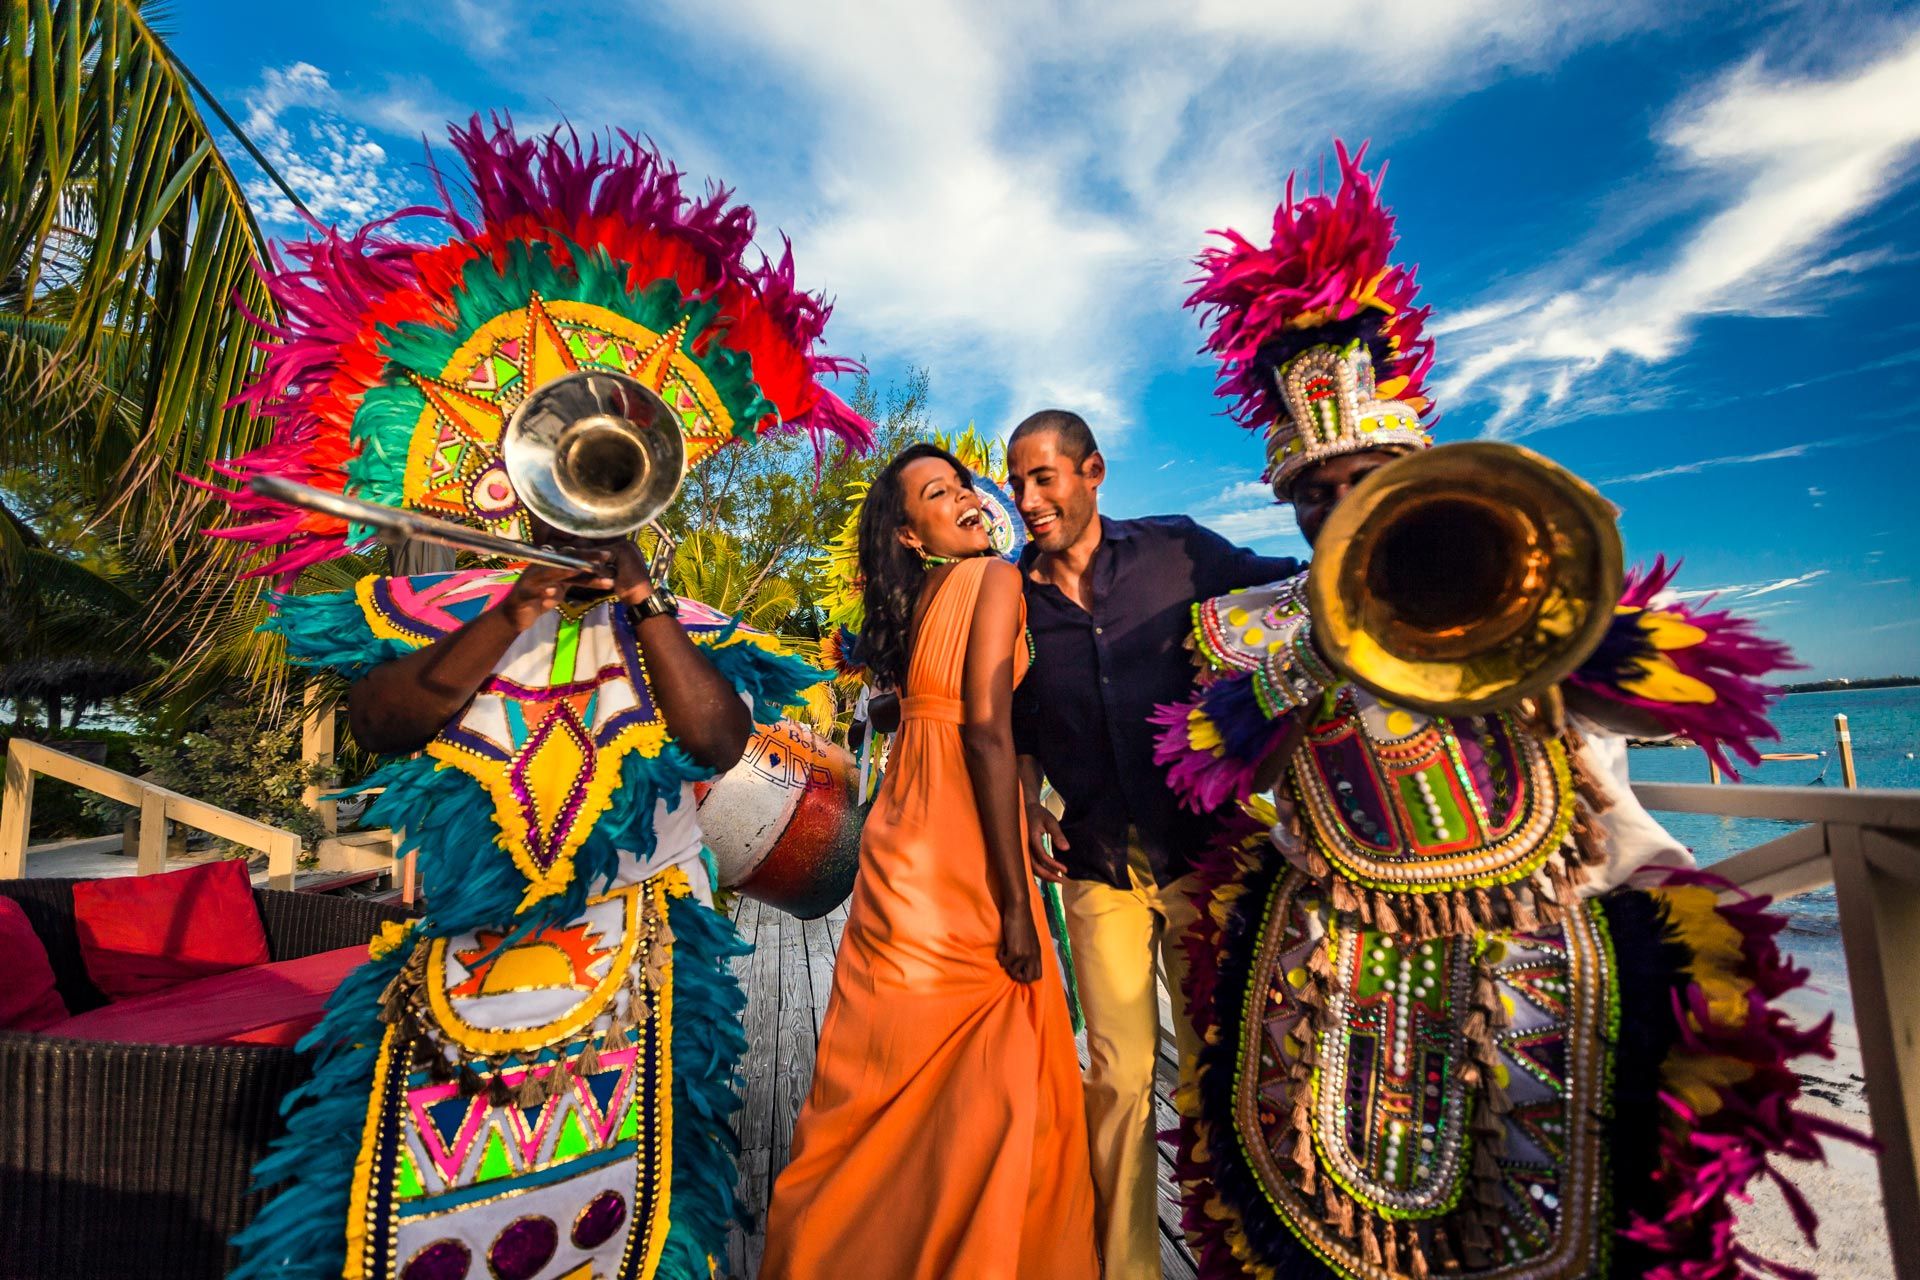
[(1396, 801), (548, 731), (1418, 1107)]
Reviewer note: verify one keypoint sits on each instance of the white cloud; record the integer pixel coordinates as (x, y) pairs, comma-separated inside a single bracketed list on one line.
[(338, 172), (1783, 584), (1749, 590), (1785, 162), (1011, 193), (1247, 513), (1799, 450)]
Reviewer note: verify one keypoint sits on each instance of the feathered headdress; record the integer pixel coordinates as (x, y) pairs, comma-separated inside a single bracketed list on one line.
[(1317, 336), (397, 364)]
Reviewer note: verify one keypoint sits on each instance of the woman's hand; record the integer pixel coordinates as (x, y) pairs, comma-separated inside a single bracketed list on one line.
[(1019, 945)]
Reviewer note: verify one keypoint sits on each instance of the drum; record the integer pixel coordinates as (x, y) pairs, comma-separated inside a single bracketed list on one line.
[(782, 824)]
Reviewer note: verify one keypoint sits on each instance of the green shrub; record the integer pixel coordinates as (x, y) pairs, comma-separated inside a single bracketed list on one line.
[(239, 761)]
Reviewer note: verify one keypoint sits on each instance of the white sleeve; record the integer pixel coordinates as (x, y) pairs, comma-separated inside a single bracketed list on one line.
[(1634, 840)]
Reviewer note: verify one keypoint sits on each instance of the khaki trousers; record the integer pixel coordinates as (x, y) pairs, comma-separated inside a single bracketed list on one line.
[(1118, 935)]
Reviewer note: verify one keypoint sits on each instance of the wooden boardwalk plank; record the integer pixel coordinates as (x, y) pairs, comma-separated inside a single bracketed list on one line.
[(820, 955), (793, 1056), (788, 979)]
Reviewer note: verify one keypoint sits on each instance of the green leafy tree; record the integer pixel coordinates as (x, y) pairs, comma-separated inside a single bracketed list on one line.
[(775, 504)]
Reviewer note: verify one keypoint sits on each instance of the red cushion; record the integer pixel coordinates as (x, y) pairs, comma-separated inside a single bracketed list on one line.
[(146, 933), (28, 1001), (265, 1004)]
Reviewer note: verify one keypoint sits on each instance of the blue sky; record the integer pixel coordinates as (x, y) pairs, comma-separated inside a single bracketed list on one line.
[(1675, 247)]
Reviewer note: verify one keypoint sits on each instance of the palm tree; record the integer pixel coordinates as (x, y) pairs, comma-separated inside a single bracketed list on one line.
[(127, 276), (125, 240)]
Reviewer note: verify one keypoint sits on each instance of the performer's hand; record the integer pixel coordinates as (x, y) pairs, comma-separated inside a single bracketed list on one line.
[(627, 575), (539, 588), (1042, 827), (1019, 945)]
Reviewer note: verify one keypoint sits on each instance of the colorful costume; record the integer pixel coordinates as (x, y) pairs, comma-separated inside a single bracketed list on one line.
[(1466, 1008), (534, 1079)]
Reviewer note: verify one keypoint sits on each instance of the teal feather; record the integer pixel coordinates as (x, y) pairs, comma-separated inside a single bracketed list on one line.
[(331, 631), (471, 879), (775, 681), (708, 1044)]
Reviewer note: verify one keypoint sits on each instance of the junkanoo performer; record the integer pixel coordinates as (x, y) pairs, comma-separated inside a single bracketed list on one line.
[(1465, 1010), (533, 1080)]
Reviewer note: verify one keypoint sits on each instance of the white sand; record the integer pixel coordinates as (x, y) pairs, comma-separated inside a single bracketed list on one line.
[(1845, 1192)]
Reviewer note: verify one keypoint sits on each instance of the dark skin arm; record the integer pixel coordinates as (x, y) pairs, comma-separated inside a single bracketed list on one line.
[(986, 739), (1042, 826), (399, 706)]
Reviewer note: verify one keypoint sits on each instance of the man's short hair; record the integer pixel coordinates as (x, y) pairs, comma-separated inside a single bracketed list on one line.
[(1070, 432)]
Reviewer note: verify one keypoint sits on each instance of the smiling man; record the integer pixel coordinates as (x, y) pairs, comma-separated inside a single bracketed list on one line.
[(1108, 604)]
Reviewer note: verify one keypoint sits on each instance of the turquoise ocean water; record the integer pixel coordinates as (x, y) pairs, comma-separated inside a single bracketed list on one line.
[(1886, 740)]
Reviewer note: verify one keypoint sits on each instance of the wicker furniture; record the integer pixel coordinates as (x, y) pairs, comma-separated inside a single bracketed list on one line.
[(133, 1160)]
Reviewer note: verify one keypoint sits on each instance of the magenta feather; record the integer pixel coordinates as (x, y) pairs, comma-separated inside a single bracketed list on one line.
[(1328, 261), (1733, 660)]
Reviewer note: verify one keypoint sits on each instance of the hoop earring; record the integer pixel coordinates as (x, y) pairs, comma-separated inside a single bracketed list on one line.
[(930, 561)]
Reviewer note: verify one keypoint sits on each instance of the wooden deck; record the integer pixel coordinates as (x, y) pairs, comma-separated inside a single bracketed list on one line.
[(787, 979)]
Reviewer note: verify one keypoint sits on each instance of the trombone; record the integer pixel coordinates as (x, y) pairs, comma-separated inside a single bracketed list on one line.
[(593, 453)]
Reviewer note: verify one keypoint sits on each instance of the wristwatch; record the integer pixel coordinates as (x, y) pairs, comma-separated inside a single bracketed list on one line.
[(661, 602)]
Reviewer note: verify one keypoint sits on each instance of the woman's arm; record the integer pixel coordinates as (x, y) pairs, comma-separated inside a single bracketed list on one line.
[(986, 737)]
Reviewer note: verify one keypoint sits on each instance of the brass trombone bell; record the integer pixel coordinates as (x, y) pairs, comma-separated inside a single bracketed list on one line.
[(1465, 578), (594, 453)]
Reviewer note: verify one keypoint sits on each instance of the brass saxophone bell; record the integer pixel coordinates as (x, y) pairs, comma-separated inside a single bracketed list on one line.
[(1465, 577), (594, 453)]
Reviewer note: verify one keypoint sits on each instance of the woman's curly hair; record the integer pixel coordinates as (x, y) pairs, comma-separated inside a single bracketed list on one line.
[(891, 574)]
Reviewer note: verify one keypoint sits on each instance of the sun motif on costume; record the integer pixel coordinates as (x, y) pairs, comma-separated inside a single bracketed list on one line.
[(551, 960), (454, 466)]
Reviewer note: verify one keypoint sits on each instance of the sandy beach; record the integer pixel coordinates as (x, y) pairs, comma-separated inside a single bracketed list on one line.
[(1845, 1192)]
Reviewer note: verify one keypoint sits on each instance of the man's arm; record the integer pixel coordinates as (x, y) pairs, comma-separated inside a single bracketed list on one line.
[(1041, 824), (1220, 566)]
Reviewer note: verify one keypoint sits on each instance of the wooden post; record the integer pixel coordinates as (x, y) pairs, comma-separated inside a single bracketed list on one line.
[(1879, 904), (283, 853), (317, 748), (152, 857), (1845, 737), (16, 813), (1713, 771)]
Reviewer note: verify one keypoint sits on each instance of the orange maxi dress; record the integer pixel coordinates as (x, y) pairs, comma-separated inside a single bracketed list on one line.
[(944, 1135)]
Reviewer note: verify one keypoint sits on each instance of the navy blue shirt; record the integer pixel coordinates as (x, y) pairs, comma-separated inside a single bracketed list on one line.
[(1082, 710)]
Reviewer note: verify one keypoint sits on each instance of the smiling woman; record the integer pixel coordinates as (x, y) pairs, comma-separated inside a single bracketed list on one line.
[(943, 1134), (900, 537)]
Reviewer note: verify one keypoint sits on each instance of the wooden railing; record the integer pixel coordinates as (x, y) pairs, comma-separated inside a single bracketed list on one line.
[(1866, 844), (157, 806)]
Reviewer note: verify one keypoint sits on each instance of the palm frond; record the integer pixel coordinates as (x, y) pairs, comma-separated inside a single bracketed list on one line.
[(106, 147)]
